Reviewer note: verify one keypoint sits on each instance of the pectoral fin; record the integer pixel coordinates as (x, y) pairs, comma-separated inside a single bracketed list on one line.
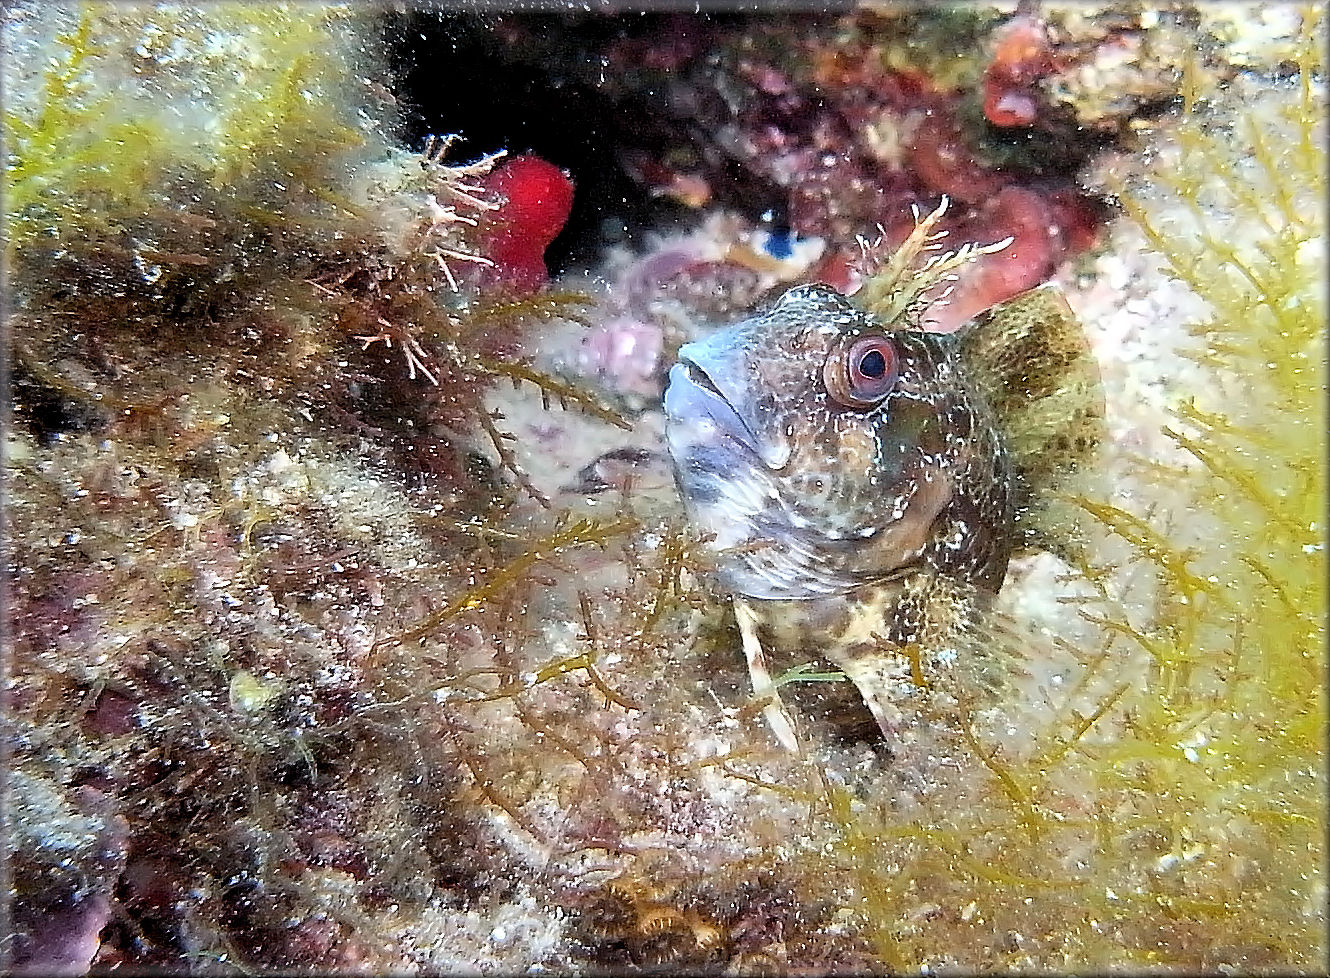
[(936, 645), (1031, 360)]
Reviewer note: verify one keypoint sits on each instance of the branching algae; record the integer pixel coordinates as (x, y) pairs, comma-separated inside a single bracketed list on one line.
[(1167, 811)]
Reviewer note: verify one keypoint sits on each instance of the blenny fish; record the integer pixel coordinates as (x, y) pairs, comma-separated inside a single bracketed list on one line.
[(864, 482)]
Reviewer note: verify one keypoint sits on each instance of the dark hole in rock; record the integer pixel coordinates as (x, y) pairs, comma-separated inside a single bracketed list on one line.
[(534, 83)]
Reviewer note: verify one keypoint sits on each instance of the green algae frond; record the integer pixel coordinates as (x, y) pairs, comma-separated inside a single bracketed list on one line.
[(55, 151), (1168, 812), (116, 119), (1230, 731)]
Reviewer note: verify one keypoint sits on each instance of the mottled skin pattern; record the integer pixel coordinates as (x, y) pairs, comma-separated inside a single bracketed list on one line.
[(867, 534)]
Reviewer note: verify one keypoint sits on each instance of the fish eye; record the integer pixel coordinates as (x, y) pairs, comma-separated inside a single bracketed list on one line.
[(873, 364), (861, 373)]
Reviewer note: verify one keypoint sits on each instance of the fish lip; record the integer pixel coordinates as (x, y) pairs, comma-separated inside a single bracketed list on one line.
[(695, 374), (690, 376)]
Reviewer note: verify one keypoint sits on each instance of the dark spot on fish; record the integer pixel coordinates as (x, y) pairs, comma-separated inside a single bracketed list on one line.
[(704, 492)]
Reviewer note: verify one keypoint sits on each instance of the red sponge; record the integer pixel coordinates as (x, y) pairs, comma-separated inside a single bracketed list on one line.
[(1024, 55), (535, 198)]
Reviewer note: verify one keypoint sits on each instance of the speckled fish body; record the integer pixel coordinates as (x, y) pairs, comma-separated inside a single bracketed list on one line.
[(855, 523), (808, 497)]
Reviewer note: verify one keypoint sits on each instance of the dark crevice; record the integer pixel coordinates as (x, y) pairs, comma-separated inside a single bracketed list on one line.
[(535, 83)]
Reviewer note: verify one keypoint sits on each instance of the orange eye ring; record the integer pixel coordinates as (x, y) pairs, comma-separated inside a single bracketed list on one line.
[(861, 373)]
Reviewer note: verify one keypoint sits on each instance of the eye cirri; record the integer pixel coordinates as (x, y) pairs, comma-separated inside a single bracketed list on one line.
[(861, 373)]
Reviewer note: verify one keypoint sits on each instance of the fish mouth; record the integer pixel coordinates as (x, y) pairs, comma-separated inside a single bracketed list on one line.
[(696, 375), (692, 394)]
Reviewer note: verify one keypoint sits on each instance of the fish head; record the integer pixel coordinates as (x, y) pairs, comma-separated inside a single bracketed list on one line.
[(816, 446)]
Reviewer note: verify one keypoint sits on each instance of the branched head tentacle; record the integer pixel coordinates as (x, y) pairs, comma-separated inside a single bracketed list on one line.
[(896, 289)]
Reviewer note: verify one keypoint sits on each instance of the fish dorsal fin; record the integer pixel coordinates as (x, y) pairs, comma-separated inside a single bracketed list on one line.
[(1030, 360)]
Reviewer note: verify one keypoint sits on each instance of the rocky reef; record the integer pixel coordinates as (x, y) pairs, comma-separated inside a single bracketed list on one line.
[(352, 620)]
